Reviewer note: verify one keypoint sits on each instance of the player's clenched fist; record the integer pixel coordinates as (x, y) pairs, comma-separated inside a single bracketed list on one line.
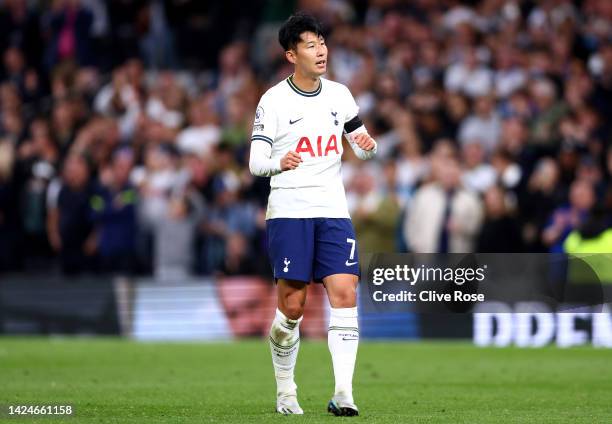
[(364, 141), (290, 161)]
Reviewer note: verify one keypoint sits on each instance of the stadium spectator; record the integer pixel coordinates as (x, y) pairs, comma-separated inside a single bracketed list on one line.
[(588, 242), (482, 126), (537, 201), (114, 214), (468, 76), (21, 29), (13, 129), (500, 232), (565, 219), (375, 213), (509, 173), (410, 167), (9, 219), (63, 125), (122, 98), (514, 139), (228, 215), (478, 175), (444, 217), (174, 237), (593, 236), (203, 132), (548, 113), (69, 217), (165, 104), (14, 67), (37, 162), (68, 29), (508, 75), (158, 181), (237, 259)]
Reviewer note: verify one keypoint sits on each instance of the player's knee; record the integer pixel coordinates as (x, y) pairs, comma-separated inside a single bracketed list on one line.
[(292, 307), (346, 298), (293, 310)]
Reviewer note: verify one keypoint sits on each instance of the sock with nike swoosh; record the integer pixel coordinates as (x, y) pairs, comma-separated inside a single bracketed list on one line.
[(343, 339)]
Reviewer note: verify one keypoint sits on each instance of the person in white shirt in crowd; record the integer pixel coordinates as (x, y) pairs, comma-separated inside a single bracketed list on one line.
[(483, 125), (203, 132), (444, 217), (478, 174), (469, 76)]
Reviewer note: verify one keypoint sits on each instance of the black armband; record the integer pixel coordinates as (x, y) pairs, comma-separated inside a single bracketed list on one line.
[(352, 125)]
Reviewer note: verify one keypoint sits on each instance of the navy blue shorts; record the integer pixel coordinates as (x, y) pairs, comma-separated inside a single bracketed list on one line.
[(309, 249)]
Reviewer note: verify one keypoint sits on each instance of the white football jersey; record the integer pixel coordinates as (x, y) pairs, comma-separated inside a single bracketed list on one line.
[(311, 124)]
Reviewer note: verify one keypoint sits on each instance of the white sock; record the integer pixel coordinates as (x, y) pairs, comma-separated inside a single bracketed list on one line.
[(284, 345), (342, 339)]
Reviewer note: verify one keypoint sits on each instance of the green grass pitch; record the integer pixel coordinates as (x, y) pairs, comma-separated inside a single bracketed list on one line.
[(109, 380)]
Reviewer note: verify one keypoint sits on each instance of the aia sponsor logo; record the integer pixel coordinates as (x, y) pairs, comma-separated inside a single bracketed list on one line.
[(318, 150)]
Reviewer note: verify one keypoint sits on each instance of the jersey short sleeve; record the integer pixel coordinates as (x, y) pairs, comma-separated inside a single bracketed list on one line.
[(265, 124), (352, 110)]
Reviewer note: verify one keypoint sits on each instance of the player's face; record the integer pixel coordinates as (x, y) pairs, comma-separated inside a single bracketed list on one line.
[(311, 54)]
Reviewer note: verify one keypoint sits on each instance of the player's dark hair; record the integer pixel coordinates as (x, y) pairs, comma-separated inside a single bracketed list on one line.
[(289, 33)]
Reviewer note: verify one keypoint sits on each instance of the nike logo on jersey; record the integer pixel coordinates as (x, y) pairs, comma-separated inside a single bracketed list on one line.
[(347, 263), (297, 120)]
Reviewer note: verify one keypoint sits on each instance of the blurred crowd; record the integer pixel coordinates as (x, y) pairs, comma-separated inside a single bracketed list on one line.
[(125, 128)]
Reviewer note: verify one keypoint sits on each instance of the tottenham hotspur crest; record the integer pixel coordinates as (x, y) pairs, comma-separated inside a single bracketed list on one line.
[(335, 117), (287, 262)]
